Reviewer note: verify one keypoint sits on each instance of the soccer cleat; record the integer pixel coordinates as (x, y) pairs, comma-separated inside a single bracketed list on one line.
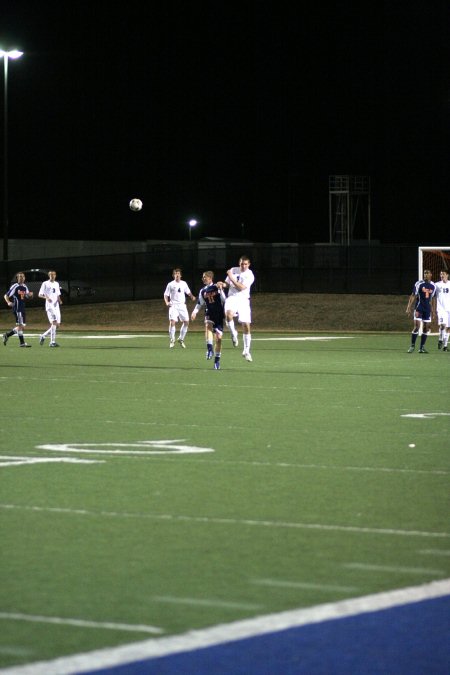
[(24, 344), (217, 365), (53, 344), (171, 344), (234, 340), (422, 350), (248, 357), (41, 340), (411, 349), (181, 343), (444, 349), (5, 338), (209, 354), (440, 344)]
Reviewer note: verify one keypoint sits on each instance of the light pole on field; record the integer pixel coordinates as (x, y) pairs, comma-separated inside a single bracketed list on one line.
[(6, 55), (192, 223)]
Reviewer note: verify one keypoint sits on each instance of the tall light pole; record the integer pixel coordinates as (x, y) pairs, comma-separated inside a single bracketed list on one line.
[(192, 223), (13, 54)]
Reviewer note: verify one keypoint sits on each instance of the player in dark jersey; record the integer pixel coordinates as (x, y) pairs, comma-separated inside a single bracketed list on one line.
[(212, 298), (421, 297), (15, 298)]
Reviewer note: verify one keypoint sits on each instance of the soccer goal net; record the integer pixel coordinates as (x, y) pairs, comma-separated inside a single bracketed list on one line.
[(435, 259)]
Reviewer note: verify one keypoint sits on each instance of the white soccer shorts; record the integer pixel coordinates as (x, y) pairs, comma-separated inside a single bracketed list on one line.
[(178, 313), (444, 318), (239, 306), (54, 313)]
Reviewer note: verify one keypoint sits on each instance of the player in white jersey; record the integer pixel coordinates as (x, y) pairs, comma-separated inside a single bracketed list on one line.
[(50, 291), (443, 309), (238, 281), (175, 299)]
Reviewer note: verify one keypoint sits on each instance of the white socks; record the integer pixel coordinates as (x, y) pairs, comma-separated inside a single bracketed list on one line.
[(232, 328)]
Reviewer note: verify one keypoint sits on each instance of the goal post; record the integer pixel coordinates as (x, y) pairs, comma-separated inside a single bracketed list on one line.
[(435, 259)]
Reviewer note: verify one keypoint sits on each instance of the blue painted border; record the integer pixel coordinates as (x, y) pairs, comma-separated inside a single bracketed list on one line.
[(407, 640)]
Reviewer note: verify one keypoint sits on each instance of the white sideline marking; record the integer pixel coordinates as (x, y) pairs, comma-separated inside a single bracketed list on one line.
[(434, 551), (107, 625), (104, 337), (390, 568), (302, 339), (231, 632), (10, 460), (280, 583), (204, 603), (113, 337), (164, 335), (231, 521)]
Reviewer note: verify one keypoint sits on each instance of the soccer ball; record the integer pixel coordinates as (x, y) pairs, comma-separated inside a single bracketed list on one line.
[(136, 204)]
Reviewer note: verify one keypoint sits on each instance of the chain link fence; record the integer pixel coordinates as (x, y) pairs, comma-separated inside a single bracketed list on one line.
[(278, 268)]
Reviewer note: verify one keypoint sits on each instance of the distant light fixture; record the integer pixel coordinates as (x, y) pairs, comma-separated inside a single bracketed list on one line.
[(192, 223)]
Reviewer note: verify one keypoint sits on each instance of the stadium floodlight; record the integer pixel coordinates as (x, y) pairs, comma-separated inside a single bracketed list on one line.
[(192, 223), (433, 258), (6, 55), (13, 54)]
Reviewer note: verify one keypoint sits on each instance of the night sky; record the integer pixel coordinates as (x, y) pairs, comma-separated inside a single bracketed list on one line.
[(232, 112)]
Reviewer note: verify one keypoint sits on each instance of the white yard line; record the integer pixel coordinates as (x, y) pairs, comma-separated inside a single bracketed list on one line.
[(367, 567), (426, 416), (198, 602), (81, 623), (237, 630), (304, 585), (435, 551), (11, 460), (245, 522), (320, 467), (155, 444)]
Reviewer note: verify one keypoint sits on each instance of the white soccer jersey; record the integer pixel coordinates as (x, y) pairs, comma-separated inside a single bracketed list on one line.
[(176, 291), (246, 278), (443, 295), (52, 291)]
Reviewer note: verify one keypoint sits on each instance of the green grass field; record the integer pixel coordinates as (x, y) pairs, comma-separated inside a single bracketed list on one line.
[(144, 493)]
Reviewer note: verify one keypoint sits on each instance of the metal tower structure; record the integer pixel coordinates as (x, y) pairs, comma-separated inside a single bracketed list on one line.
[(349, 208)]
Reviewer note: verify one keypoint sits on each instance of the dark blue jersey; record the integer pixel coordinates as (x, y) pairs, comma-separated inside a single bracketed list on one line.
[(424, 292), (211, 297), (17, 294)]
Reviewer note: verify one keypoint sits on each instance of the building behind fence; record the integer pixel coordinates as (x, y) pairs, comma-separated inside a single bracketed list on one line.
[(142, 269)]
